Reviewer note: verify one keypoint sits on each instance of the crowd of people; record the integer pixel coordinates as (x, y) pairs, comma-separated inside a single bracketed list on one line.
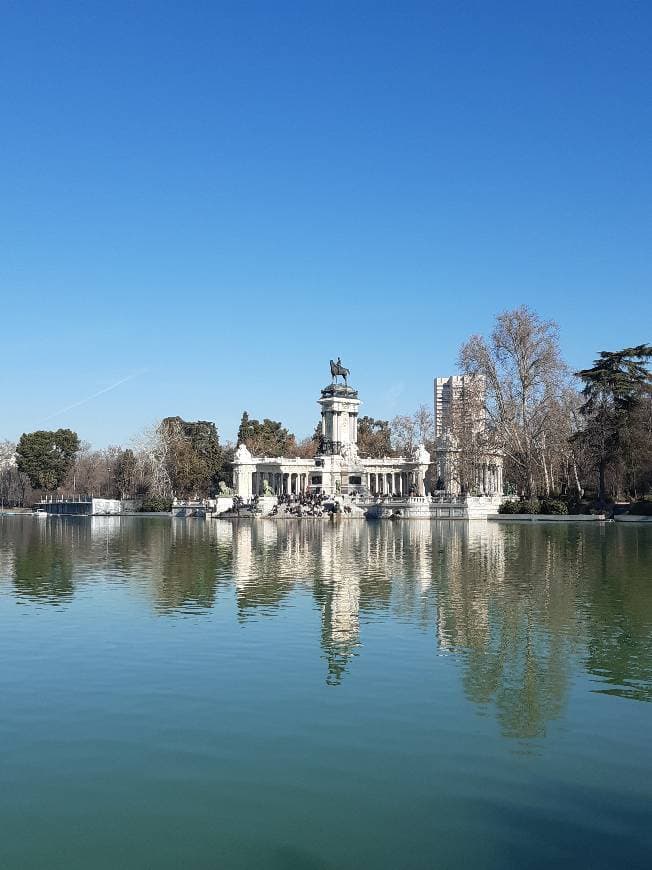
[(304, 504), (308, 504)]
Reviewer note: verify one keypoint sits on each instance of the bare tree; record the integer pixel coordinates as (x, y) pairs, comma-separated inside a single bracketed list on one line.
[(14, 484), (404, 437), (524, 375), (559, 455), (7, 470), (410, 430), (470, 436), (151, 451)]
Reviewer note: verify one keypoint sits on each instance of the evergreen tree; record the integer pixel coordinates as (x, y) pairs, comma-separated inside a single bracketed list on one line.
[(194, 457), (266, 438), (615, 388), (125, 472), (47, 457)]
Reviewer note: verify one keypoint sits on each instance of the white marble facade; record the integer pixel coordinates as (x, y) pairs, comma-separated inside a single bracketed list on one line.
[(337, 468)]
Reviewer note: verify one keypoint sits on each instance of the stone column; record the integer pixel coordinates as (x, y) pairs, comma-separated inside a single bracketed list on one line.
[(242, 481)]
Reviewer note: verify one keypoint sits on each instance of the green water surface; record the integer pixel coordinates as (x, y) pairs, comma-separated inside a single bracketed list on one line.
[(208, 694)]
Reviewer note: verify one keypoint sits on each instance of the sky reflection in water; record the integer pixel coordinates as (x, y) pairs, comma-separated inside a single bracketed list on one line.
[(481, 678)]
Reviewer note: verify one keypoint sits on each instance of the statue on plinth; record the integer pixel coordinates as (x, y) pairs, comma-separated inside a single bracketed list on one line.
[(242, 454), (421, 455), (350, 452), (338, 370)]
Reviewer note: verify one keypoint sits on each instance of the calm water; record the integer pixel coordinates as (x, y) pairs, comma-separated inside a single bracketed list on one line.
[(314, 695)]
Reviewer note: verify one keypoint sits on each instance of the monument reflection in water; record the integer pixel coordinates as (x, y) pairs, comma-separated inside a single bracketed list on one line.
[(309, 694), (520, 606)]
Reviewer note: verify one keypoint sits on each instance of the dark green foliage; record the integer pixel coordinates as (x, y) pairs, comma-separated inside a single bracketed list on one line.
[(641, 508), (509, 507), (269, 438), (574, 504), (553, 506), (47, 457), (374, 437), (225, 474), (124, 471), (195, 458), (615, 389), (530, 506), (156, 504), (523, 506)]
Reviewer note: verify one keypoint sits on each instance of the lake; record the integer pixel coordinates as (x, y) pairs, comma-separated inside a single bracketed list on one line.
[(315, 694)]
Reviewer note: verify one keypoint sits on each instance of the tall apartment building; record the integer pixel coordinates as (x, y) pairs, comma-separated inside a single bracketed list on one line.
[(452, 394)]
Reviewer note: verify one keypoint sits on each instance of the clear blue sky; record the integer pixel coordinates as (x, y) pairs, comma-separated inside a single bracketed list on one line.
[(228, 194)]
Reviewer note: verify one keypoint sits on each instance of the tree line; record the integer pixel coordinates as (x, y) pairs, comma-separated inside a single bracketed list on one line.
[(586, 434)]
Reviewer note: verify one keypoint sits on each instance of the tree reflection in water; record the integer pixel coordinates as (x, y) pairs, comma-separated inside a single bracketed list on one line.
[(519, 607)]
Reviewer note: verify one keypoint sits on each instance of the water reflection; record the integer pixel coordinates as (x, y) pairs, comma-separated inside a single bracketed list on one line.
[(41, 559), (518, 608)]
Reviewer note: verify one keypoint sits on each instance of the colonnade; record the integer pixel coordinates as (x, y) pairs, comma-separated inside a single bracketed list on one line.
[(392, 482), (489, 478), (280, 482), (486, 477)]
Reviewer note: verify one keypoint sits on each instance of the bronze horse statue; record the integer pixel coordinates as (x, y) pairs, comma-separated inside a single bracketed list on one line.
[(338, 369)]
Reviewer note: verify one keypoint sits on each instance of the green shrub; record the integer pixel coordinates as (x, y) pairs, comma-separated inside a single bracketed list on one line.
[(641, 508), (553, 506), (156, 504), (573, 502), (508, 507), (529, 506)]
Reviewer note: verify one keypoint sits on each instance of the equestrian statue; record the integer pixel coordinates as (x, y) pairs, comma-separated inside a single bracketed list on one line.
[(337, 369)]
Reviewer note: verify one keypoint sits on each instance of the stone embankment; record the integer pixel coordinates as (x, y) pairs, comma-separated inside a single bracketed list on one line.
[(548, 518)]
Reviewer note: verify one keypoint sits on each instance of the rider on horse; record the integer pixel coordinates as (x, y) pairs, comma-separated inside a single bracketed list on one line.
[(338, 369)]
